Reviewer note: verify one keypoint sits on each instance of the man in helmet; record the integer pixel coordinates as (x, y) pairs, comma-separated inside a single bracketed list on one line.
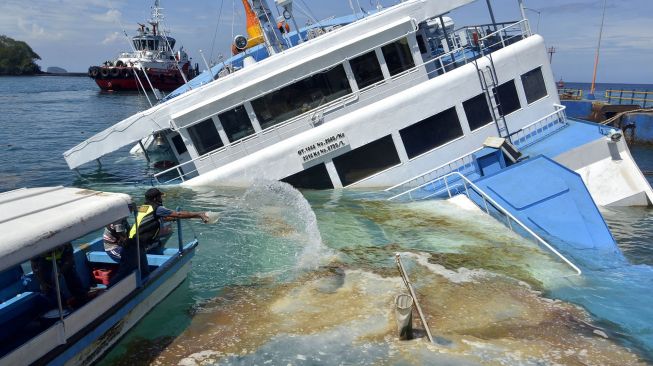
[(146, 230)]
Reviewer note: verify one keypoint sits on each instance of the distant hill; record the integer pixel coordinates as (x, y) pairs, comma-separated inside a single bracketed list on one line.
[(17, 58), (56, 70)]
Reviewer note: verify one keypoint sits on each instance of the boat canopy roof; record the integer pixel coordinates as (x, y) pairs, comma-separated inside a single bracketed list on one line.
[(34, 220)]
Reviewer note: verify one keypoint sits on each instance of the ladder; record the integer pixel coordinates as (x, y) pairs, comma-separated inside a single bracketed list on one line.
[(489, 83)]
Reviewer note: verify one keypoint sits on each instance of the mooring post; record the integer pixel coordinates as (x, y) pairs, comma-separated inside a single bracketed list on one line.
[(404, 276)]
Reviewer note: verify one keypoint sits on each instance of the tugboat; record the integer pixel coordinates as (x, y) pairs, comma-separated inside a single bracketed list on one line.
[(153, 62)]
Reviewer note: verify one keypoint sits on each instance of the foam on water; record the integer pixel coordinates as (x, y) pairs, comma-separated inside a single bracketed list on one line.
[(489, 321)]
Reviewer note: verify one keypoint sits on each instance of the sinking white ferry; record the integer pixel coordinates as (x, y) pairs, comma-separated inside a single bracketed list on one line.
[(374, 101)]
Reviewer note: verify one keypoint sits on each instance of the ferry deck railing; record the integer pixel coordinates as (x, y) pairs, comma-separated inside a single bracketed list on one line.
[(456, 183), (522, 138), (468, 48), (540, 129), (629, 97)]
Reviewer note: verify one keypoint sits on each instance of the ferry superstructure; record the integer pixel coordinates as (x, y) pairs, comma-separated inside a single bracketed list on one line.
[(373, 103)]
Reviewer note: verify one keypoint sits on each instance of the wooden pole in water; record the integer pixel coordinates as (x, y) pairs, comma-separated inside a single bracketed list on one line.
[(598, 47)]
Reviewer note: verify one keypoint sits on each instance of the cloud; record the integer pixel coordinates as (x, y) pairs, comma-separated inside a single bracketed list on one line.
[(112, 38), (111, 16), (31, 30), (574, 7)]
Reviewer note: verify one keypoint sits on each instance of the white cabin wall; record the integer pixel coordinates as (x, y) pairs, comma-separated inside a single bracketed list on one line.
[(396, 112)]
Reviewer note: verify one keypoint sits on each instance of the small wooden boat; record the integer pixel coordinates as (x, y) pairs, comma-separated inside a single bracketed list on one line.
[(35, 223)]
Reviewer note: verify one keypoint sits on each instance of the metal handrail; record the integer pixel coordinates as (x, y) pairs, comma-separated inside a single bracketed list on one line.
[(397, 82), (635, 96), (459, 160), (486, 199), (532, 128)]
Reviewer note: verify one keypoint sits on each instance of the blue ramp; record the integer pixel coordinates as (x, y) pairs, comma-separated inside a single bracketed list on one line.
[(553, 202)]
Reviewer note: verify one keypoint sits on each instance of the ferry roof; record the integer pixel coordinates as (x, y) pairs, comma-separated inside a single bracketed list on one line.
[(160, 116), (34, 220)]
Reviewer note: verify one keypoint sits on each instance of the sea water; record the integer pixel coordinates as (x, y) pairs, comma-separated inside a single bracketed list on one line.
[(289, 277)]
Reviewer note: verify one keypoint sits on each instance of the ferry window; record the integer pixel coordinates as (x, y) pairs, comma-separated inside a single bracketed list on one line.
[(367, 69), (315, 177), (172, 43), (534, 86), (302, 96), (179, 144), (506, 97), (236, 123), (431, 132), (421, 44), (477, 112), (156, 45), (205, 136), (397, 56), (366, 160)]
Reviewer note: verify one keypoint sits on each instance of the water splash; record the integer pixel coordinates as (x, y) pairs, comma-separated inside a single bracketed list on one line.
[(287, 211)]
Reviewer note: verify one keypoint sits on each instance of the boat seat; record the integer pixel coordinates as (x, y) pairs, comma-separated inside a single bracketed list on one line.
[(102, 257), (18, 305), (11, 283)]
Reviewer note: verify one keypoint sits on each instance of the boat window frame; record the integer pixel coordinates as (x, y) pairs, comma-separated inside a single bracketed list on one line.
[(496, 93), (364, 83), (541, 84), (475, 126), (405, 46), (196, 136), (339, 161), (227, 126), (177, 141), (264, 102), (425, 125), (317, 171)]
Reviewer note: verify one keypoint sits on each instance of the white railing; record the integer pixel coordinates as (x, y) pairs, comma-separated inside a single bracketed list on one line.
[(444, 63), (458, 164), (467, 185), (540, 129)]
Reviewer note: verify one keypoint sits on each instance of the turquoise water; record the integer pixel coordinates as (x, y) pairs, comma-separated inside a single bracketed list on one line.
[(288, 277)]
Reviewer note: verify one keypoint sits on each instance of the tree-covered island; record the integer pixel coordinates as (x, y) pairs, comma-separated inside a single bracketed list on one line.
[(17, 58)]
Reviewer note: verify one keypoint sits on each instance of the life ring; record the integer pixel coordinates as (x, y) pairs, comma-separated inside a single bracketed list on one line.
[(93, 71), (283, 27), (119, 63), (115, 72), (104, 72)]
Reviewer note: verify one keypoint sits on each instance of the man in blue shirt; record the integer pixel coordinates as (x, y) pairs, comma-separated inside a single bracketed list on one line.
[(146, 230)]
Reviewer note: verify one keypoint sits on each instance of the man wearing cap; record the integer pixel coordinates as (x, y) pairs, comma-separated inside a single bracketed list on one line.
[(148, 224)]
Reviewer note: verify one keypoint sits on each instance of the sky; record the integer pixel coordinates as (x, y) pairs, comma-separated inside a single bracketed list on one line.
[(76, 34)]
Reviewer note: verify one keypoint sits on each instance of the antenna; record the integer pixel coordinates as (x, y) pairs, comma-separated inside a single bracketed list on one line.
[(551, 50), (596, 58)]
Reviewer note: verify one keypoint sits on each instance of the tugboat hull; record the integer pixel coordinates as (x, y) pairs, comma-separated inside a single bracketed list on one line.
[(127, 78)]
